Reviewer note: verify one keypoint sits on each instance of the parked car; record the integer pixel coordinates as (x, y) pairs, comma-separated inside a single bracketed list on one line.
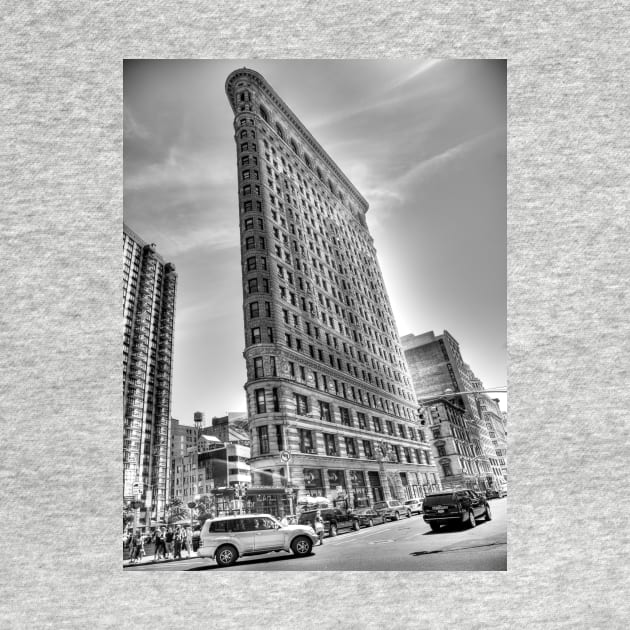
[(227, 538), (455, 506), (392, 509), (368, 517), (335, 519), (496, 493), (415, 505)]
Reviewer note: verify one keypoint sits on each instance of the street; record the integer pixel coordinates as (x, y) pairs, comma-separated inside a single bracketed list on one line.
[(405, 545)]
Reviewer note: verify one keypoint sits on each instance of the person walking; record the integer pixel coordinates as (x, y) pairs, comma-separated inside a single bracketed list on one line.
[(177, 543), (319, 526), (160, 547), (168, 542), (137, 548), (187, 541)]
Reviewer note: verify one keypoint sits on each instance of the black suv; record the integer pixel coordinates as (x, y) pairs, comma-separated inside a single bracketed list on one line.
[(455, 506), (334, 519)]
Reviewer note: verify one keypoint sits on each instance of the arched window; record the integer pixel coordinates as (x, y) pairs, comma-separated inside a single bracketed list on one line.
[(307, 160), (264, 114), (294, 145), (279, 130)]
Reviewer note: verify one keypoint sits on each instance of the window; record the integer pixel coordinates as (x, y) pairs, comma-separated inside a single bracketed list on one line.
[(367, 447), (362, 420), (306, 441), (258, 367), (256, 335), (324, 411), (441, 451), (276, 399), (254, 310), (345, 416), (446, 467), (330, 444), (390, 427), (279, 437), (378, 427), (401, 430), (301, 405), (263, 439), (252, 285), (250, 242), (249, 224), (350, 447), (251, 263), (261, 403)]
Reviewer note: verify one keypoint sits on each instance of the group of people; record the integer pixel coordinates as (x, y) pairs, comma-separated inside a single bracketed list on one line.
[(169, 544)]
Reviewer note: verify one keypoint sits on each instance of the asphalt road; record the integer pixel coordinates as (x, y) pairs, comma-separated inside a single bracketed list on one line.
[(405, 545)]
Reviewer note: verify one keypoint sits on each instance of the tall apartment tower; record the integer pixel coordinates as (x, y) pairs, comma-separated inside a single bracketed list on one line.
[(436, 365), (330, 401), (149, 285)]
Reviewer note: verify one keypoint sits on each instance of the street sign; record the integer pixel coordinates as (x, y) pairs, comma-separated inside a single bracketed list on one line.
[(285, 456)]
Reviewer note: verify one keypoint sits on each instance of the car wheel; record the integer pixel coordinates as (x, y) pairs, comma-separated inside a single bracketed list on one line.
[(396, 516), (356, 526), (301, 546), (226, 555), (435, 526), (371, 523), (471, 520), (333, 529), (488, 513), (408, 514)]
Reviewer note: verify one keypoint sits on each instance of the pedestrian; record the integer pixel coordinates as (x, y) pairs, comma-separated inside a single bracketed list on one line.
[(137, 548), (319, 526), (177, 543), (187, 541), (160, 548), (168, 542)]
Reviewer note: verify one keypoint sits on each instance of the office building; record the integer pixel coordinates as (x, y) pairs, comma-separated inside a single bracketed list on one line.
[(331, 406), (437, 367), (149, 286)]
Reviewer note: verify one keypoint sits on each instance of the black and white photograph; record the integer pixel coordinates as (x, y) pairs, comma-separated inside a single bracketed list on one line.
[(315, 319)]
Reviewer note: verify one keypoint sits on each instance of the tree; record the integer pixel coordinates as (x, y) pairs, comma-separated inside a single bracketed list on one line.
[(205, 509), (176, 511)]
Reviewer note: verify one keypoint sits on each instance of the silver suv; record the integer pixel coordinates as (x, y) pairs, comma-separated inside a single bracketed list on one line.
[(392, 509), (226, 538)]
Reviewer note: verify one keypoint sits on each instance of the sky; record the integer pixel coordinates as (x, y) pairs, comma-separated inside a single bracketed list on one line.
[(424, 141)]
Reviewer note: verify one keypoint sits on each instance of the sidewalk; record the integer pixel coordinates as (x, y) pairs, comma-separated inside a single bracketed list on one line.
[(149, 559)]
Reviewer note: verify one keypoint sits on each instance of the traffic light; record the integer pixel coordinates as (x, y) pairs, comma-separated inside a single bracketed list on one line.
[(422, 415)]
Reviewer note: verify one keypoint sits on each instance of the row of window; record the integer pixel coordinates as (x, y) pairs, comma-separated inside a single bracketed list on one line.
[(326, 413), (331, 446), (321, 381)]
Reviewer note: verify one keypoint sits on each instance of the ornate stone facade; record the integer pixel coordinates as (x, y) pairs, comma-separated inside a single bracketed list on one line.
[(330, 401)]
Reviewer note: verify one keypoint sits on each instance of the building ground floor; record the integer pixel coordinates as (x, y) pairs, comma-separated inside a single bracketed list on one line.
[(353, 483)]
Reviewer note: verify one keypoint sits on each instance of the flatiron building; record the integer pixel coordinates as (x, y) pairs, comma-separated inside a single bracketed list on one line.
[(331, 406)]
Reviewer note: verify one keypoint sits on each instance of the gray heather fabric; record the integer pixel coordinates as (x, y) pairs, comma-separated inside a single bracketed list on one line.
[(60, 330)]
